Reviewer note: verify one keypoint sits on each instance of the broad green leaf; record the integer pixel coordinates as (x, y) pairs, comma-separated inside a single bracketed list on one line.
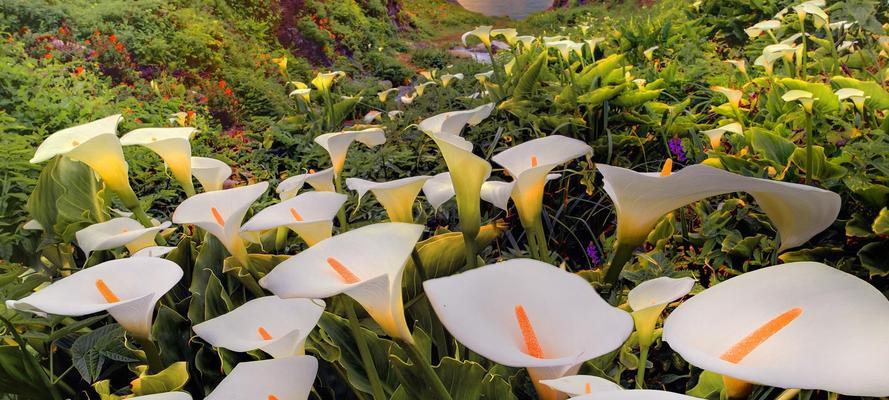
[(709, 386), (171, 379), (16, 378), (464, 380), (90, 351), (879, 97), (881, 223), (172, 333), (636, 98), (770, 146), (822, 168), (529, 78), (858, 227), (598, 96), (68, 197), (827, 102), (873, 258)]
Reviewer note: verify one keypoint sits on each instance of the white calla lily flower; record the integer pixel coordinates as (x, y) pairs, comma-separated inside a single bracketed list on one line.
[(740, 64), (636, 395), (438, 189), (289, 378), (117, 232), (153, 251), (648, 300), (807, 99), (172, 145), (397, 196), (801, 325), (408, 98), (530, 163), (468, 171), (857, 97), (734, 96), (649, 52), (421, 88), (641, 199), (321, 181), (529, 314), (593, 43), (498, 193), (384, 94), (210, 172), (274, 325), (371, 116), (508, 34), (337, 144), (446, 79), (220, 213), (579, 385), (324, 81), (820, 17), (482, 33), (366, 263), (34, 225), (566, 48), (762, 26), (715, 135), (483, 77), (310, 215), (525, 42), (127, 288)]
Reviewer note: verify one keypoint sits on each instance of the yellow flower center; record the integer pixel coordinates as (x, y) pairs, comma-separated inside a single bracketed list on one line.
[(344, 272), (217, 216), (532, 346), (264, 334), (106, 291), (296, 216), (745, 346), (668, 167)]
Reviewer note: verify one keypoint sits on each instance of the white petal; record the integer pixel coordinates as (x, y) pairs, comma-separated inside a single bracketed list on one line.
[(114, 233), (287, 321), (636, 395), (798, 211), (337, 143), (137, 282), (289, 378), (576, 385), (316, 210), (231, 205), (659, 291), (838, 343), (32, 225), (497, 193), (439, 189), (210, 172), (171, 144), (153, 251), (321, 181), (65, 140), (548, 152), (376, 254), (397, 196), (451, 123), (573, 324)]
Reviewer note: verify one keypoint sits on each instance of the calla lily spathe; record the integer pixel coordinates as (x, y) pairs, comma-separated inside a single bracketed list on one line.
[(220, 213), (274, 325), (857, 97), (172, 145), (438, 189), (397, 196), (635, 395), (526, 313), (482, 33), (468, 171), (337, 144), (530, 163), (640, 199), (210, 172), (310, 215), (324, 81), (321, 181), (128, 289), (498, 193), (384, 94), (801, 325), (289, 378), (365, 263), (648, 300), (579, 385), (508, 34), (715, 135), (117, 232), (153, 251), (446, 79), (762, 26)]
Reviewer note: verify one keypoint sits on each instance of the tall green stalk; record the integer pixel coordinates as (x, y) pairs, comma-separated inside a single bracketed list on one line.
[(810, 151), (155, 364), (432, 379), (622, 254), (370, 369)]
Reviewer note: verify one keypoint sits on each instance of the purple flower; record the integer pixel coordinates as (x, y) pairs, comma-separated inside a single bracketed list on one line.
[(677, 149), (593, 254)]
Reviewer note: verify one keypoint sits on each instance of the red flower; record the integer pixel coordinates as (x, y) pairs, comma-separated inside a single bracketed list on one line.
[(119, 47), (190, 114), (112, 38), (78, 71), (222, 84), (47, 56), (228, 91)]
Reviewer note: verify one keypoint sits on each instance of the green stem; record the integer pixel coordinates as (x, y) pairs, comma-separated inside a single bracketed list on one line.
[(418, 265), (532, 244), (788, 394), (366, 360), (432, 379), (622, 254), (341, 214), (155, 364), (281, 238), (640, 370), (542, 248), (471, 249), (810, 151), (833, 48)]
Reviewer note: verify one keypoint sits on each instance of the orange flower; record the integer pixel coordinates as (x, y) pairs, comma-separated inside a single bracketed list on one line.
[(119, 47), (78, 71), (222, 84), (228, 91), (112, 38), (47, 56)]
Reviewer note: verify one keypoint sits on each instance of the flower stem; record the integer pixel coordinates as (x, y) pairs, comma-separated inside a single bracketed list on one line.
[(542, 248), (418, 264), (788, 394), (341, 214), (366, 360), (432, 379), (532, 244), (471, 249), (810, 151), (155, 364), (622, 254), (643, 362)]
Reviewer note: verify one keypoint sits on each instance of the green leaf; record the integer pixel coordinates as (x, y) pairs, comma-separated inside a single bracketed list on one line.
[(597, 97), (171, 379), (529, 78), (881, 223), (636, 97), (709, 386), (464, 380), (16, 378), (770, 146), (827, 102), (879, 97), (172, 333), (873, 258), (68, 197), (90, 351), (822, 169)]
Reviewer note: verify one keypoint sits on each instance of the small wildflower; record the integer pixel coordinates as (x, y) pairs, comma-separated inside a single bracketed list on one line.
[(593, 253), (112, 38), (78, 71), (47, 56), (222, 84), (677, 149), (228, 91)]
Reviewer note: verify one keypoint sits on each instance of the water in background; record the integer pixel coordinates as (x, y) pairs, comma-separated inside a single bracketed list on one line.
[(516, 9)]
